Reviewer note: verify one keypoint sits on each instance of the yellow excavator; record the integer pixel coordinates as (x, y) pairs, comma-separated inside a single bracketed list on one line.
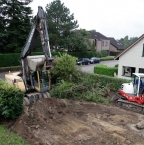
[(34, 79)]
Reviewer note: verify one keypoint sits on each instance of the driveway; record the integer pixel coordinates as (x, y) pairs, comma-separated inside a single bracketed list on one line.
[(90, 68)]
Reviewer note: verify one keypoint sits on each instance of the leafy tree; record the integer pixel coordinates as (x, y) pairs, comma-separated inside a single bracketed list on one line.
[(61, 24), (15, 23), (93, 30), (3, 35), (126, 41), (78, 41)]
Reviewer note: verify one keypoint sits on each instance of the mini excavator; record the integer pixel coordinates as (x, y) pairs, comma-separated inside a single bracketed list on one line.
[(131, 95), (34, 79)]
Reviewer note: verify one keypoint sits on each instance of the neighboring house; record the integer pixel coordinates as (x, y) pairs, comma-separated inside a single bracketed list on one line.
[(102, 42), (131, 59), (115, 45)]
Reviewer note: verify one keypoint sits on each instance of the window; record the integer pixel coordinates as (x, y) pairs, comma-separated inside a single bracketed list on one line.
[(141, 70), (127, 71), (106, 43), (143, 51), (102, 43)]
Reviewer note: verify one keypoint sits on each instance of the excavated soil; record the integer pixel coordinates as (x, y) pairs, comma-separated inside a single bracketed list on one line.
[(66, 122)]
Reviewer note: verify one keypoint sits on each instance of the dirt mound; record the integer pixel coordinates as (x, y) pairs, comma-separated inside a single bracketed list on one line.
[(65, 122)]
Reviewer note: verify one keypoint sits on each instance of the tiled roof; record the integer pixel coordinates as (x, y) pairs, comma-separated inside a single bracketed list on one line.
[(97, 36), (116, 43)]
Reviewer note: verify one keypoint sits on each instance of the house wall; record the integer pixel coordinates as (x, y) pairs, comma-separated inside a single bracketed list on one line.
[(106, 45), (132, 58), (99, 46), (112, 48)]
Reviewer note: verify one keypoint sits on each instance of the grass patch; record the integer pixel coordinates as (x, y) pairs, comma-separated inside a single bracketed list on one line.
[(9, 138)]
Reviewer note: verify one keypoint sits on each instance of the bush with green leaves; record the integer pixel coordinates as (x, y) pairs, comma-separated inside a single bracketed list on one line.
[(78, 91), (91, 87), (102, 53), (103, 81), (107, 58), (65, 89), (96, 97), (105, 70), (112, 53), (116, 65), (66, 67), (11, 101)]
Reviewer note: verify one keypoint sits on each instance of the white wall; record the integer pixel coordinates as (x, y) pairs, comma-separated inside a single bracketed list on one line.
[(133, 58)]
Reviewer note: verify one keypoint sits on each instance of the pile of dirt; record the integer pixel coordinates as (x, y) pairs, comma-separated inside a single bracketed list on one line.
[(65, 122)]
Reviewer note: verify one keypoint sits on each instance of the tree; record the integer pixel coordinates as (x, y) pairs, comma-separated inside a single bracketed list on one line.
[(15, 21), (126, 41), (93, 30), (77, 41), (61, 24)]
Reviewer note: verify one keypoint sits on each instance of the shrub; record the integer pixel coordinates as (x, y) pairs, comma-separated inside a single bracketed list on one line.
[(104, 70), (100, 54), (91, 87), (116, 65), (103, 81), (66, 67), (112, 53), (68, 90), (107, 58), (11, 101), (80, 90), (96, 97)]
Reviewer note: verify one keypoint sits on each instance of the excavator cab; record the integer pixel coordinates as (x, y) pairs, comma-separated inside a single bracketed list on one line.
[(138, 83), (41, 80), (135, 80)]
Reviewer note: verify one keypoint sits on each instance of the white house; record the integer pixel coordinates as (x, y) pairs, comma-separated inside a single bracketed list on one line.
[(131, 59)]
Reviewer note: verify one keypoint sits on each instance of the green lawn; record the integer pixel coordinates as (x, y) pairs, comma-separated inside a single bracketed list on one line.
[(9, 138)]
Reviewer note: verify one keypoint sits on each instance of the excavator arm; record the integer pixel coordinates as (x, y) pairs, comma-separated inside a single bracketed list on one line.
[(39, 27)]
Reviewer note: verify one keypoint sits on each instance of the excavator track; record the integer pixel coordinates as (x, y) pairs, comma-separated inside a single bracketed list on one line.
[(132, 106), (33, 97)]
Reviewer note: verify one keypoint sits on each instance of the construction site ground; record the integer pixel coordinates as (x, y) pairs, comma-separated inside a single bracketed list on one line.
[(53, 121)]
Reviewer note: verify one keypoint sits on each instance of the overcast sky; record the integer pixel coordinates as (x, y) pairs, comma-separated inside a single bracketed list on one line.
[(112, 18)]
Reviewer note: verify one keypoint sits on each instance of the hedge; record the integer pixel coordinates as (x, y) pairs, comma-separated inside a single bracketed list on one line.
[(103, 81), (11, 68), (11, 101), (105, 70), (112, 53), (12, 59), (107, 58)]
